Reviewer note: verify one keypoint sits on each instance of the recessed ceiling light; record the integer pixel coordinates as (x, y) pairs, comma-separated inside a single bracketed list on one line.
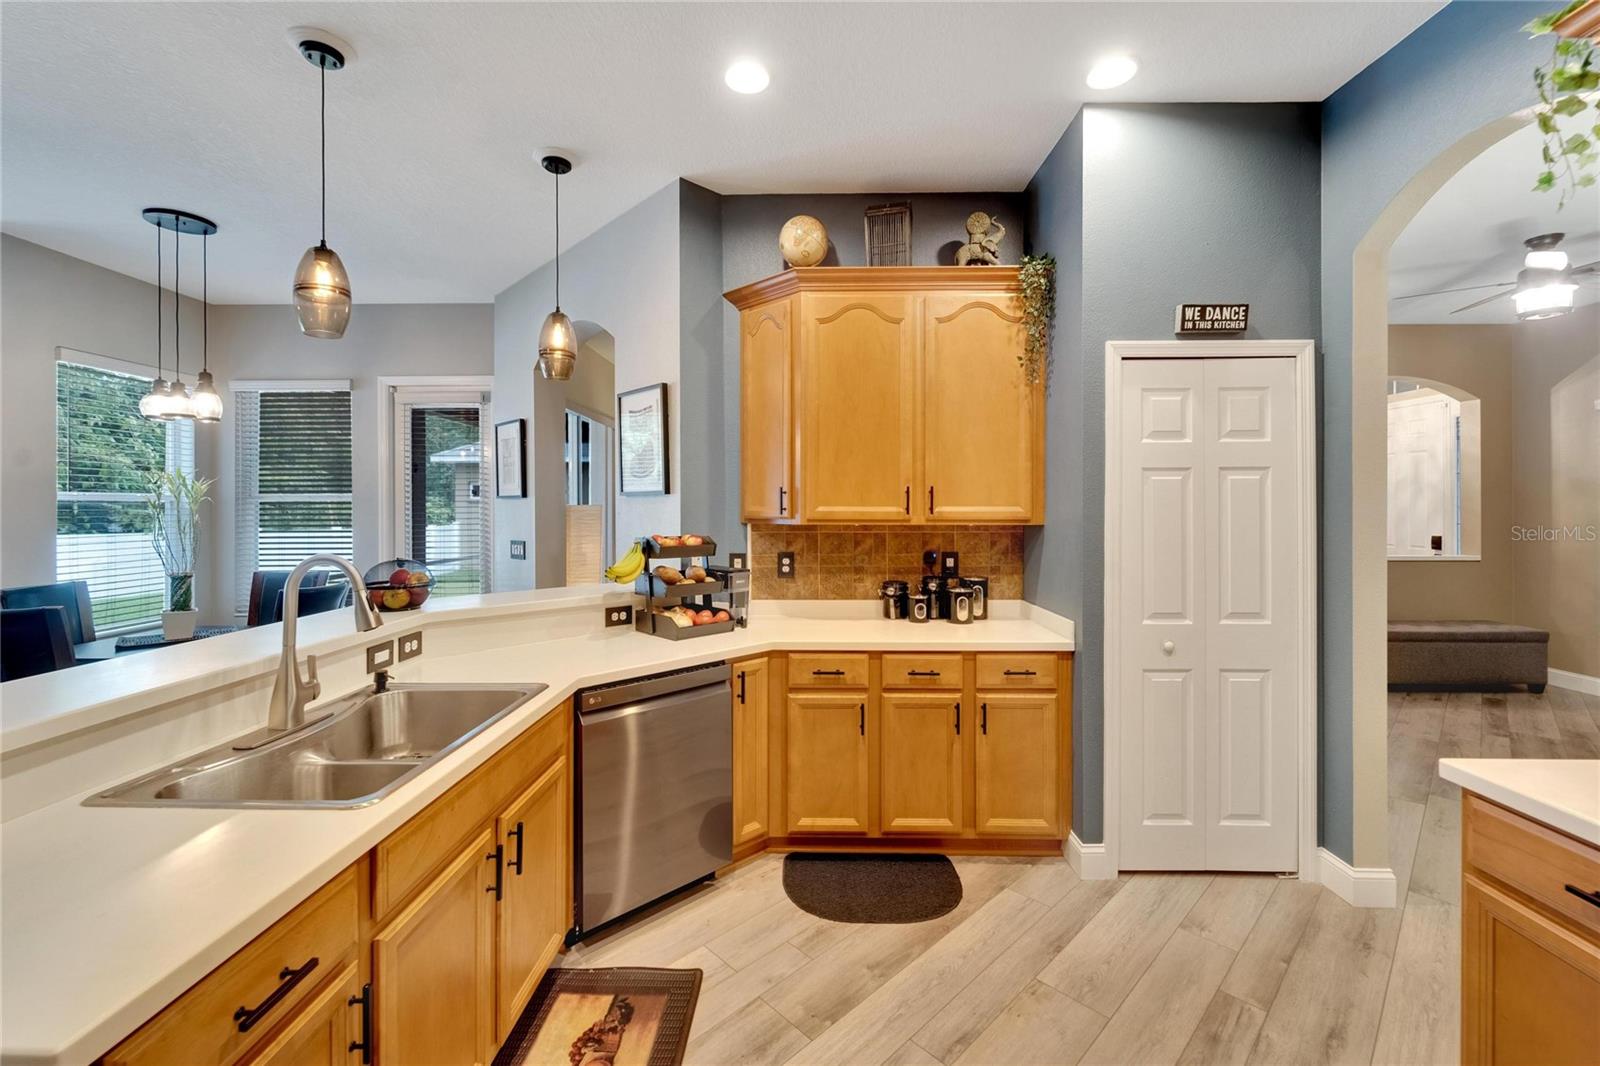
[(1109, 72), (747, 76)]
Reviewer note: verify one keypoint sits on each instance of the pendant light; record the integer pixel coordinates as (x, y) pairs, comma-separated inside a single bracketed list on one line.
[(153, 404), (321, 287), (558, 347), (179, 405), (206, 402), (168, 400)]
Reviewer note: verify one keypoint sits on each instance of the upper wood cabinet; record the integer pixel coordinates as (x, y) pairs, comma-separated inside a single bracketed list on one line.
[(888, 395)]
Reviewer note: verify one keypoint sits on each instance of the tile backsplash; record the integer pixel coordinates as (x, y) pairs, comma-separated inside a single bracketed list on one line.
[(849, 562)]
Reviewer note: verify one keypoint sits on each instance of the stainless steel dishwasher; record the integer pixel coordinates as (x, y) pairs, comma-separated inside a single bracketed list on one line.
[(655, 789)]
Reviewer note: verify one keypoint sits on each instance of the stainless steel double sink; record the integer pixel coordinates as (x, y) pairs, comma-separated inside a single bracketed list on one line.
[(361, 750)]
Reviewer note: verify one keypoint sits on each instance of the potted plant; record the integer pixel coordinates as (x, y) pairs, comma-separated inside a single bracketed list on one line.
[(174, 500)]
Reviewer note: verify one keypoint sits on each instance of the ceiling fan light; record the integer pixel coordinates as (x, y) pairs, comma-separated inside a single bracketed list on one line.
[(1545, 301), (558, 347), (205, 401), (1545, 260), (322, 293)]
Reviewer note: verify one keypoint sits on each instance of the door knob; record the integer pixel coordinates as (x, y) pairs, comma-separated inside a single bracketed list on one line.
[(1168, 647)]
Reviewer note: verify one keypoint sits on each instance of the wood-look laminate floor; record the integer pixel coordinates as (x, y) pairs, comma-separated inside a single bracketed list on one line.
[(1036, 966)]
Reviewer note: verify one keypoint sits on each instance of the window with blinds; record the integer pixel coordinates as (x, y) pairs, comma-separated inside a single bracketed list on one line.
[(105, 452), (293, 465), (446, 516)]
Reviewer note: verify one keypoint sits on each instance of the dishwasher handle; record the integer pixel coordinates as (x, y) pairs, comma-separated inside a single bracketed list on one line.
[(653, 703)]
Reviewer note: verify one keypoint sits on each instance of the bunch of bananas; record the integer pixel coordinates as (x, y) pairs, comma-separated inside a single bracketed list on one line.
[(627, 568)]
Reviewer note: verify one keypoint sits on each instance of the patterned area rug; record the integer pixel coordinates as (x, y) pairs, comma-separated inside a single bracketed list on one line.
[(626, 1016)]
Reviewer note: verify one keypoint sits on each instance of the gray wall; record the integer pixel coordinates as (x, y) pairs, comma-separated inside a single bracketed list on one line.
[(705, 435), (749, 230), (1464, 68), (1179, 202), (622, 279)]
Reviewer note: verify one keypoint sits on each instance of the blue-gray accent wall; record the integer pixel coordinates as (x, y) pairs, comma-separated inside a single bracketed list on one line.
[(1177, 202)]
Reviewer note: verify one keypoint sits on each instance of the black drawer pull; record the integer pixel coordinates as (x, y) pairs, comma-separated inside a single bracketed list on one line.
[(908, 499), (498, 857), (983, 720), (958, 719), (1587, 897), (364, 1045), (781, 494), (741, 688), (287, 979), (516, 863), (922, 673), (827, 673), (863, 719), (1021, 673)]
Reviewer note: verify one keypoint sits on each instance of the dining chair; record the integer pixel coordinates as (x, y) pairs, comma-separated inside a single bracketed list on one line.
[(34, 640), (266, 594), (319, 598), (71, 596)]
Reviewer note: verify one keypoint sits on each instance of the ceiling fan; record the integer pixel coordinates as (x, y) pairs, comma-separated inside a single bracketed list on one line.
[(1544, 287)]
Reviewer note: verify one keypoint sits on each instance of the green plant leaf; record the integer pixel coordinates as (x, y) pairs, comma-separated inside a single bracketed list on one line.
[(1586, 180), (1569, 105), (1546, 182), (1577, 144), (1547, 122)]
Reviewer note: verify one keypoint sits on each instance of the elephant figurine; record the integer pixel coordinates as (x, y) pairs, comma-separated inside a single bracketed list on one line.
[(983, 242)]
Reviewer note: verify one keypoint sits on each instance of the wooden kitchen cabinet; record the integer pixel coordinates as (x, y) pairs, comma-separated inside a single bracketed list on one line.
[(433, 966), (921, 762), (826, 766), (533, 915), (751, 732), (766, 444), (327, 1032), (1018, 769), (982, 431)]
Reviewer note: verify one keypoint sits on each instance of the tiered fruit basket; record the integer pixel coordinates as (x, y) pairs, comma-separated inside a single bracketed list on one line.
[(661, 594)]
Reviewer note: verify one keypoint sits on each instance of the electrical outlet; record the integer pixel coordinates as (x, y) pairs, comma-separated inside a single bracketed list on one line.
[(410, 645), (738, 561), (519, 549), (786, 565), (619, 615), (380, 656)]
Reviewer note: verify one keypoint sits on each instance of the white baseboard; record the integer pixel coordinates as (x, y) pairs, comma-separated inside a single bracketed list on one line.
[(1576, 682), (1371, 886), (1089, 861)]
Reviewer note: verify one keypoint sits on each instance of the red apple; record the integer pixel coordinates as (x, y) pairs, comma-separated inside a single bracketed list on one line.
[(702, 618), (400, 577)]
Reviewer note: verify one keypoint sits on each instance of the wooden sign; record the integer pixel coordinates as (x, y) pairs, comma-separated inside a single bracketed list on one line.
[(1192, 319)]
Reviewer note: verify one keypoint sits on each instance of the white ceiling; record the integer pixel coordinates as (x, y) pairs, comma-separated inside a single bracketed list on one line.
[(1471, 232), (434, 196)]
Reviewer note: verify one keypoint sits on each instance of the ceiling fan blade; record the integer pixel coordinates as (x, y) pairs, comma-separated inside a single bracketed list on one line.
[(1480, 303), (1464, 288), (1587, 268)]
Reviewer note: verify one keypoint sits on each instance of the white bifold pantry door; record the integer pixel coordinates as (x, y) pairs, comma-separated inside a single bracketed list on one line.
[(1210, 614)]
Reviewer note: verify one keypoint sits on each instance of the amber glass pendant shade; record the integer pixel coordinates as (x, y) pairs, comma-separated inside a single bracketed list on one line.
[(558, 347), (322, 293)]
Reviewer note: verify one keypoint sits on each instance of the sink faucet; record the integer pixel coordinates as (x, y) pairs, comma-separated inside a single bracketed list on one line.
[(290, 692)]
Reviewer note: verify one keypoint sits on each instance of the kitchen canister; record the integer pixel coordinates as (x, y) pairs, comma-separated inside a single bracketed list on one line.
[(894, 595), (933, 588), (980, 597), (959, 601), (917, 606)]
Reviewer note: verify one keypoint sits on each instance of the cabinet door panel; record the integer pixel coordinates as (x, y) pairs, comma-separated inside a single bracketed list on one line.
[(533, 917), (1018, 783), (433, 967), (920, 764), (826, 771), (858, 384), (321, 1034), (981, 419), (750, 739), (766, 341)]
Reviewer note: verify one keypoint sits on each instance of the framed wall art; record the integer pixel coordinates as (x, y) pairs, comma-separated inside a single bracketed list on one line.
[(510, 451), (642, 441)]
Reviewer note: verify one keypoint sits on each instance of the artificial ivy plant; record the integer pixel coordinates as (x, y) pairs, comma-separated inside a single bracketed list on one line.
[(1038, 277), (1569, 154)]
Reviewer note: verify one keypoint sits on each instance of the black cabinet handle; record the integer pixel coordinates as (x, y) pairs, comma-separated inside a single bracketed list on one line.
[(517, 862), (781, 493), (930, 499), (863, 719), (908, 499), (958, 719), (922, 673), (983, 719), (498, 857), (364, 1045), (1587, 897), (247, 1017), (1021, 673), (827, 673)]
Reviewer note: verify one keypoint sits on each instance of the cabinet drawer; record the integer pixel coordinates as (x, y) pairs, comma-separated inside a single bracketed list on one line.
[(922, 671), (1533, 859), (827, 670), (1009, 670), (314, 941), (406, 857)]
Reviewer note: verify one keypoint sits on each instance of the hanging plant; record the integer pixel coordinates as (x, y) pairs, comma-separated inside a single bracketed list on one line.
[(1569, 147), (1038, 276)]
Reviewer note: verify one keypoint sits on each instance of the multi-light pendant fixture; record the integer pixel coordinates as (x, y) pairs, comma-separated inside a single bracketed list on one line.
[(169, 400), (321, 286), (558, 346)]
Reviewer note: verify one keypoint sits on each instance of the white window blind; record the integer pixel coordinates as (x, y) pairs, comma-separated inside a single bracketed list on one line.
[(293, 465), (105, 451), (446, 500)]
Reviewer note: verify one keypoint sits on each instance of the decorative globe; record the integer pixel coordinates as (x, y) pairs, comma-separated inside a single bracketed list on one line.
[(803, 241)]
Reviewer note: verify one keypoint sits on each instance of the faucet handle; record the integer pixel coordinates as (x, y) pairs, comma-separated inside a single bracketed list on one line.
[(312, 684)]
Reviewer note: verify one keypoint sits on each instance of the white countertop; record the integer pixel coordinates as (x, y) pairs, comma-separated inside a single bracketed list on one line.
[(110, 913), (1562, 793)]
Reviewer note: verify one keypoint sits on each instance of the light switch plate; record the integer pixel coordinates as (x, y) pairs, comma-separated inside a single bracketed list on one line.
[(738, 561), (786, 565), (410, 645), (620, 615), (380, 656), (949, 563), (519, 549)]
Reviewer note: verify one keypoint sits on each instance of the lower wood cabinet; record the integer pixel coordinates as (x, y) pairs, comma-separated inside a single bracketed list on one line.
[(751, 737), (532, 918), (921, 763), (826, 766), (327, 1031), (1017, 769), (433, 967)]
